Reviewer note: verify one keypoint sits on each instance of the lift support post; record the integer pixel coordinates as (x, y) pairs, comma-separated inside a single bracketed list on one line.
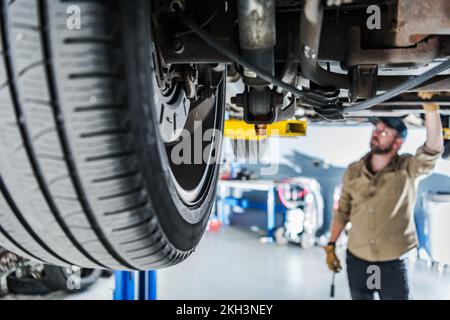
[(135, 285)]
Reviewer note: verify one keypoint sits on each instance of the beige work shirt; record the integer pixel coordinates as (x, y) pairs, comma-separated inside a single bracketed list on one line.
[(380, 206)]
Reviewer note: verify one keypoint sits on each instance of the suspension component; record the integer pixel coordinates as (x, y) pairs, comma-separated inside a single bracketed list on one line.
[(257, 37), (257, 41)]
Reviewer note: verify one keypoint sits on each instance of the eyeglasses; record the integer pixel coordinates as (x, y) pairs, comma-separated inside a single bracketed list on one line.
[(382, 133)]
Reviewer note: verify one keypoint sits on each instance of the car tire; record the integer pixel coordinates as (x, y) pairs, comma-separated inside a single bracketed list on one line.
[(85, 176)]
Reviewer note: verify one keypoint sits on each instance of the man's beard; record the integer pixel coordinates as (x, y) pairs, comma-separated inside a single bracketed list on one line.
[(380, 150)]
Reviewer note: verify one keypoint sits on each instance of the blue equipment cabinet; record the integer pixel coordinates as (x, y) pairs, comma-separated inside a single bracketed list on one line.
[(261, 185)]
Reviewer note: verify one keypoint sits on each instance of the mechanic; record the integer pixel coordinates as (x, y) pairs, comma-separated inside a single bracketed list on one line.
[(378, 198)]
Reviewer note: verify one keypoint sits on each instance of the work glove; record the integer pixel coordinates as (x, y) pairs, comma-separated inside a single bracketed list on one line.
[(332, 260), (428, 106)]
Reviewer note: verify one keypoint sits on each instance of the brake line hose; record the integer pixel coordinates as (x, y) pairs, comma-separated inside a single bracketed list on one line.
[(407, 85)]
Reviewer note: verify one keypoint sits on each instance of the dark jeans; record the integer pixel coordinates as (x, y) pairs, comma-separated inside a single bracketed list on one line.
[(392, 279)]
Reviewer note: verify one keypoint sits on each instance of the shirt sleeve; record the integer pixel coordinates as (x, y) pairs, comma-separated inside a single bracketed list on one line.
[(342, 212), (423, 162)]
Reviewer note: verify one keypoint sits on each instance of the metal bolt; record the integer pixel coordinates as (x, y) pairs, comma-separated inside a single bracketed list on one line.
[(260, 129), (249, 73), (178, 46), (175, 4)]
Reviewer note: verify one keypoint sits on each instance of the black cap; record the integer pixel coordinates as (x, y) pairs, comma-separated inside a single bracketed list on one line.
[(394, 123)]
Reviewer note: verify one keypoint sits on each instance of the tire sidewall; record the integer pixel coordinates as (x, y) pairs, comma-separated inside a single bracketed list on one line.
[(164, 199)]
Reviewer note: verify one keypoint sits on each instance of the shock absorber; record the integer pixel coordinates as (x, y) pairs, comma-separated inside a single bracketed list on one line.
[(257, 40)]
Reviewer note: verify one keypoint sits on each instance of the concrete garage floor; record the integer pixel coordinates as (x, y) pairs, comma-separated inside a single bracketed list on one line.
[(233, 264)]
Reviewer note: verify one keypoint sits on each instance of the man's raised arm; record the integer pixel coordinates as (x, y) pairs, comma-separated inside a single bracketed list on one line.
[(433, 124)]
